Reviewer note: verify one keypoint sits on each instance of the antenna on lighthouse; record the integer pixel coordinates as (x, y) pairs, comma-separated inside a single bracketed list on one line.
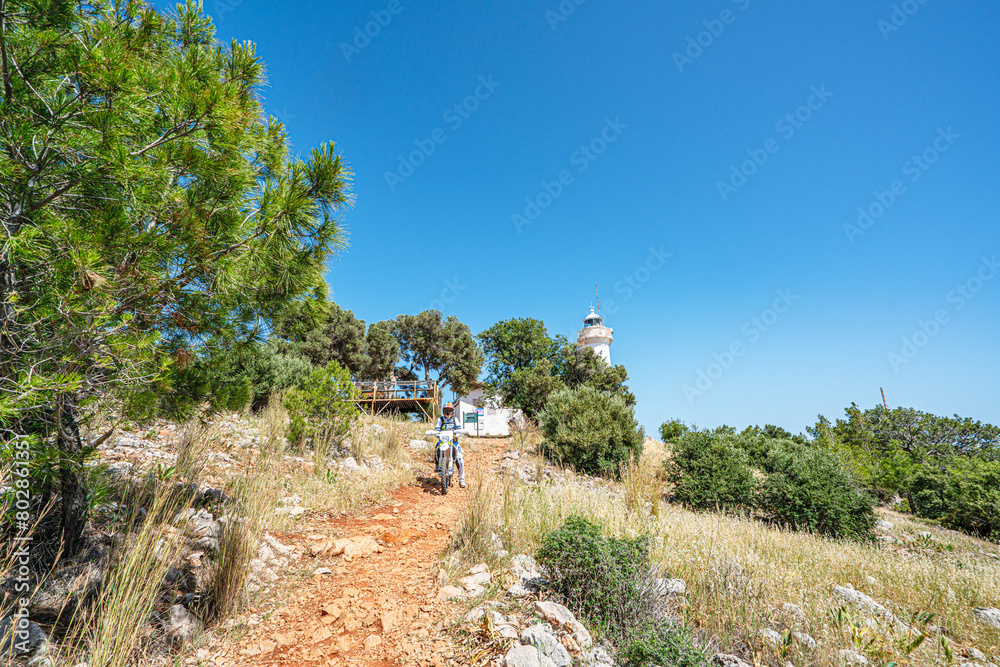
[(598, 294)]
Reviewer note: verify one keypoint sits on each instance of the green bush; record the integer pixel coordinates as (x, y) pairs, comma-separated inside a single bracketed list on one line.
[(323, 410), (711, 472), (673, 429), (657, 643), (591, 430), (600, 577), (964, 496), (811, 489)]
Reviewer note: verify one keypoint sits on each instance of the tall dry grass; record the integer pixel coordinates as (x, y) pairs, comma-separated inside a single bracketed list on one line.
[(740, 572), (109, 633), (319, 483)]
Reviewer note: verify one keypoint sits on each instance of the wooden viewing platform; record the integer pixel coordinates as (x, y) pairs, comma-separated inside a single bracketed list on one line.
[(378, 396)]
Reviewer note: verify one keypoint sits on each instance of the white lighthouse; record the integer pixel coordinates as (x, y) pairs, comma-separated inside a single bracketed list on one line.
[(596, 336)]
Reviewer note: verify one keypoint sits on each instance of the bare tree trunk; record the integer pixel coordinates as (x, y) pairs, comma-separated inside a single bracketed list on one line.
[(72, 484)]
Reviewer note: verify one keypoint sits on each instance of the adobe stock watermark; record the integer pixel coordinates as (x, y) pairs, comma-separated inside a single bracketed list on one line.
[(787, 126), (899, 17), (20, 634), (913, 169), (752, 330), (581, 159), (222, 8), (634, 281), (452, 290), (714, 28), (363, 35), (963, 293), (454, 116), (562, 12)]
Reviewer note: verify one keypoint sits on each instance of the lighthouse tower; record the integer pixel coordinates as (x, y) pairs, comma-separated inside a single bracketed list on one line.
[(596, 336)]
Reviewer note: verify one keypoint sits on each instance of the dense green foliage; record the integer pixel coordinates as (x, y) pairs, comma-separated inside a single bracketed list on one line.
[(711, 472), (152, 216), (810, 489), (944, 467), (673, 429), (655, 643), (593, 431), (608, 582), (322, 410), (431, 343), (764, 472), (525, 366)]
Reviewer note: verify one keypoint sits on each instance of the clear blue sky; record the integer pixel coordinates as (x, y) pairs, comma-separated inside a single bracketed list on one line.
[(675, 118)]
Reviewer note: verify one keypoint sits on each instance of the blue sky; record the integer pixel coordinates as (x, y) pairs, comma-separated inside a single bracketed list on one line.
[(738, 137)]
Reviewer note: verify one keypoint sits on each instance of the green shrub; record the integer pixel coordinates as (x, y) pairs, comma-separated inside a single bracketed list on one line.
[(603, 578), (710, 472), (811, 489), (591, 430), (964, 496), (657, 643), (323, 410), (672, 430)]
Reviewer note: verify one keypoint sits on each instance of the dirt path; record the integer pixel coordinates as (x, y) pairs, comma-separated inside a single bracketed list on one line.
[(378, 610)]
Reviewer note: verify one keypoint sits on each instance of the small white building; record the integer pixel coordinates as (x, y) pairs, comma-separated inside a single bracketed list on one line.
[(489, 420), (596, 336)]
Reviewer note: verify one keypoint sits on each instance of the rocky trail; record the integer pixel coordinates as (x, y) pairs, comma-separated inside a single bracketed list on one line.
[(374, 594)]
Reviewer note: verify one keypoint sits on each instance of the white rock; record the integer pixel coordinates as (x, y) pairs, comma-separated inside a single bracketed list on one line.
[(850, 657), (772, 637), (884, 525), (542, 638), (806, 640), (727, 660), (988, 616), (522, 656), (670, 586), (862, 601), (278, 547), (976, 654), (350, 465), (475, 580), (794, 610), (181, 625), (561, 618), (418, 444)]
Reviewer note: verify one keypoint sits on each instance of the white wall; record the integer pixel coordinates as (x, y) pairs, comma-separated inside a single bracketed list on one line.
[(494, 420)]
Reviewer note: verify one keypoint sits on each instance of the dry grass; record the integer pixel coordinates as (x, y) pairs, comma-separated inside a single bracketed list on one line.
[(739, 572), (319, 483), (109, 633), (239, 539)]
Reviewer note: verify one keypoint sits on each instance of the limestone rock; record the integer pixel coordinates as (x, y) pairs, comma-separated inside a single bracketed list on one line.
[(181, 625), (771, 637), (726, 660), (794, 610), (670, 586), (850, 657), (863, 602), (522, 656), (542, 638), (805, 640), (561, 618), (887, 526), (21, 638), (988, 616), (450, 592)]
